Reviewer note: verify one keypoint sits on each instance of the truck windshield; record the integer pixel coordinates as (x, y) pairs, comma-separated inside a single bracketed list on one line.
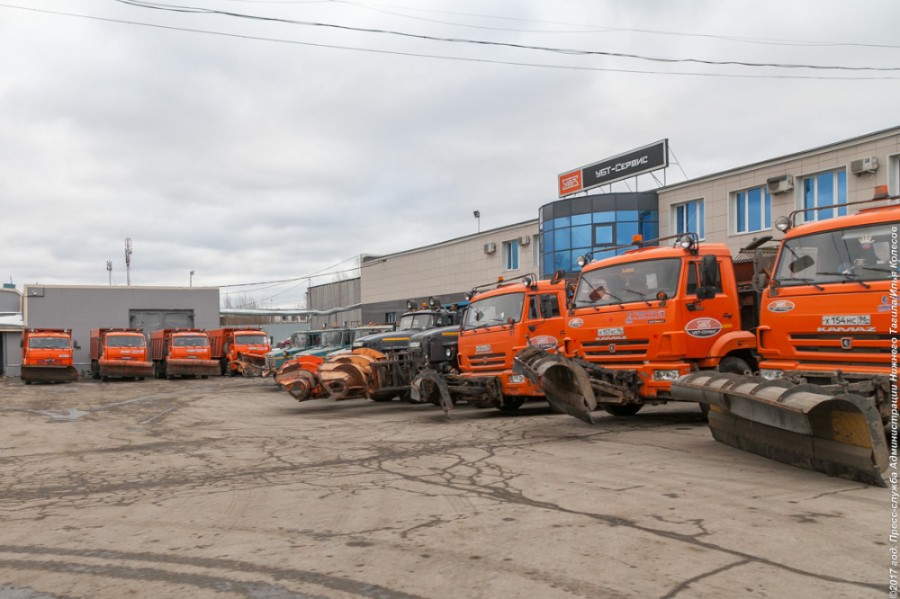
[(48, 343), (416, 321), (332, 338), (854, 254), (491, 311), (255, 339), (628, 282), (125, 341), (190, 341)]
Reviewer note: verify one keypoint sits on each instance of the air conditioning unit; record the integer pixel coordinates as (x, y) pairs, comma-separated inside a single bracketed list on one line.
[(525, 239), (490, 248), (868, 164), (782, 184)]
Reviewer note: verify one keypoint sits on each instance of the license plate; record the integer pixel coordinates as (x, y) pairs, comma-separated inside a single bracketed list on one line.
[(847, 320)]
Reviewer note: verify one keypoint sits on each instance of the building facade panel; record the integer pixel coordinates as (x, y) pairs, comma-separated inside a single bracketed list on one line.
[(820, 176)]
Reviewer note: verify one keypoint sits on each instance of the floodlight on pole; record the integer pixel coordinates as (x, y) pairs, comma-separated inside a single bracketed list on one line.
[(192, 279), (477, 215)]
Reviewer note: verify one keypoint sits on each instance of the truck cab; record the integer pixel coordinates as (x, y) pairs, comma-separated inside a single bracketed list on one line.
[(47, 356), (301, 341), (119, 353), (826, 314), (235, 347), (182, 352), (641, 319)]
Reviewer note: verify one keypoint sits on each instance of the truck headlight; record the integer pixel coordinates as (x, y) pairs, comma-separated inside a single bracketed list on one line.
[(415, 344), (516, 378), (448, 352), (771, 375), (665, 375)]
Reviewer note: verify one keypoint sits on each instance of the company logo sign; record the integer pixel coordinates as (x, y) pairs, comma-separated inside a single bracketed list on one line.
[(781, 306), (543, 341), (703, 328), (630, 164), (575, 323)]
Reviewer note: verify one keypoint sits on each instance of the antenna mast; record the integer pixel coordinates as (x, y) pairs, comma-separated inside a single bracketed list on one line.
[(128, 260), (109, 270)]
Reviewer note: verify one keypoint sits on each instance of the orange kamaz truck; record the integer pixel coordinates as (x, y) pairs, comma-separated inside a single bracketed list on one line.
[(826, 391), (641, 319), (47, 356), (501, 321), (119, 353), (181, 352), (240, 351)]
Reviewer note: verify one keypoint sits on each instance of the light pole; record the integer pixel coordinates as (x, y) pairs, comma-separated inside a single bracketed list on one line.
[(192, 279), (477, 215)]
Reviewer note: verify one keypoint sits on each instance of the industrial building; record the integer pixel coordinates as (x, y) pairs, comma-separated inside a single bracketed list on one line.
[(733, 207)]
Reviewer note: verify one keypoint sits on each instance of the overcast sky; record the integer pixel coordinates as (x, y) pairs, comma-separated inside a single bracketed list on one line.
[(285, 139)]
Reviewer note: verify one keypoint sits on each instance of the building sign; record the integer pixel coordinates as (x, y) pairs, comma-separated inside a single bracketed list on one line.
[(630, 164)]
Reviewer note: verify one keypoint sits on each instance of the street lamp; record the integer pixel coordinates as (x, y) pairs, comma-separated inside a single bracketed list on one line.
[(477, 215), (192, 278)]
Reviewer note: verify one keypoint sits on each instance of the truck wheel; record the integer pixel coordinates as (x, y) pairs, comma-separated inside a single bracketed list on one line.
[(733, 364), (382, 396), (511, 404), (628, 409), (95, 370)]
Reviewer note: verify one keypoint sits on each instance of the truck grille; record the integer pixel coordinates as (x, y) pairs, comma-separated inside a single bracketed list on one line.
[(487, 362), (839, 346), (626, 348)]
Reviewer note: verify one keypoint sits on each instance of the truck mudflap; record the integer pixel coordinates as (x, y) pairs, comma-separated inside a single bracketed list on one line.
[(566, 384), (38, 373), (191, 367), (802, 425), (125, 368)]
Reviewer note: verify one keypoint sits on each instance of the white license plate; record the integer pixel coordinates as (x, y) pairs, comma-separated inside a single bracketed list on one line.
[(847, 320)]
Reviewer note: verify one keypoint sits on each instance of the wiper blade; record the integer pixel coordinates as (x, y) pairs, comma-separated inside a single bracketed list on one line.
[(643, 296), (848, 276), (804, 280)]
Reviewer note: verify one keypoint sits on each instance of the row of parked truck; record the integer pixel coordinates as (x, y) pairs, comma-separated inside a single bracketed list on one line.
[(47, 354), (786, 346)]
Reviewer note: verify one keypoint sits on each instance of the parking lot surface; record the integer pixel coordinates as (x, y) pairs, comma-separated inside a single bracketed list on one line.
[(230, 488)]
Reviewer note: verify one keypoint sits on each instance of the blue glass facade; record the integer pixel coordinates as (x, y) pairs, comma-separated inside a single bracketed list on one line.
[(576, 226)]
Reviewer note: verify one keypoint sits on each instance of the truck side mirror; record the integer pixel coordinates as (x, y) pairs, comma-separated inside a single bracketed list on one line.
[(709, 277), (77, 346), (760, 281)]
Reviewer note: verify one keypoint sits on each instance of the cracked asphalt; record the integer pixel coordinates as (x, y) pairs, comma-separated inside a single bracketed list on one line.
[(230, 488)]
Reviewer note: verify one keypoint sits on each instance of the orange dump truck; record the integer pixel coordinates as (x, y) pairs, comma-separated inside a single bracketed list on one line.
[(119, 353), (240, 350), (47, 356), (181, 352)]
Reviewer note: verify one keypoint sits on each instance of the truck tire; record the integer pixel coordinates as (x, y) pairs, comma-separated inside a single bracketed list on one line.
[(734, 365), (383, 396), (628, 409), (511, 404)]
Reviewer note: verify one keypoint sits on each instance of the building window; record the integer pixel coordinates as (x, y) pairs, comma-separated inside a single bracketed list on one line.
[(535, 252), (688, 218), (752, 210), (825, 189), (511, 255), (390, 317)]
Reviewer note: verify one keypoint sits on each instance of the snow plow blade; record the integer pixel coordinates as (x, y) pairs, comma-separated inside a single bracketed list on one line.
[(299, 378), (126, 368), (349, 376), (566, 385), (48, 374), (801, 425)]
